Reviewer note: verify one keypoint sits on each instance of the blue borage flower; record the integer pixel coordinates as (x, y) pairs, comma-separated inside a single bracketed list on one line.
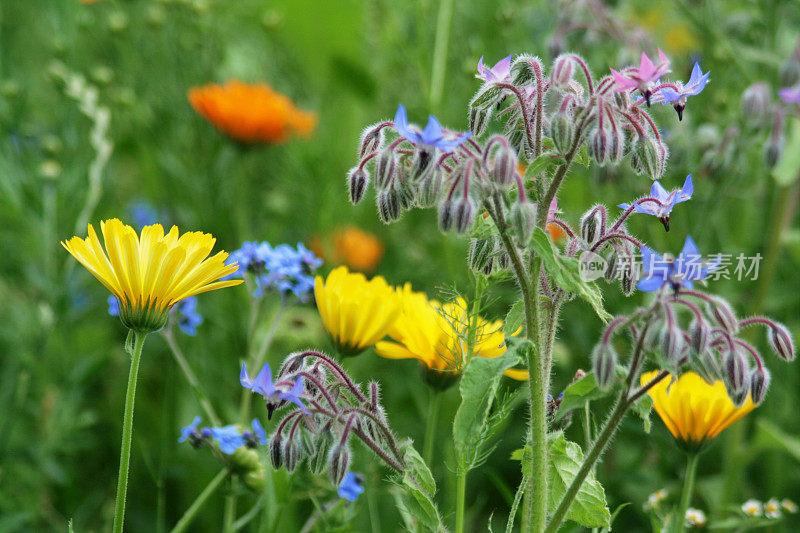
[(283, 268), (274, 393), (667, 95), (351, 486), (186, 309), (679, 272), (228, 438), (433, 136), (665, 201), (790, 95), (499, 73)]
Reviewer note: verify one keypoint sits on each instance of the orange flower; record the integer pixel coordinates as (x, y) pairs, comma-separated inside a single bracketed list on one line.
[(251, 113), (351, 246)]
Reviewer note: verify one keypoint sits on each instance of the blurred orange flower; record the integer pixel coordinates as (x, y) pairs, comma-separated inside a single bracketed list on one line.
[(353, 247), (251, 113)]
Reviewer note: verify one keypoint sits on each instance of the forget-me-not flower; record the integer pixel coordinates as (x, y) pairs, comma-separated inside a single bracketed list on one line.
[(499, 73), (283, 268), (679, 272), (191, 429), (667, 200), (228, 438), (697, 82), (642, 78), (263, 385), (351, 486), (431, 137)]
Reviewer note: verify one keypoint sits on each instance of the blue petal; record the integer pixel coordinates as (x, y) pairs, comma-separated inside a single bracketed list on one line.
[(659, 192), (188, 430), (228, 438), (639, 208), (401, 125), (669, 95), (689, 249), (350, 488), (650, 259), (244, 378), (624, 206), (258, 429), (448, 146), (263, 381), (113, 306), (650, 284), (687, 190), (432, 132)]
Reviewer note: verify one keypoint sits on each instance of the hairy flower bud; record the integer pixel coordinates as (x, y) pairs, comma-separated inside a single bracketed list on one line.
[(612, 267), (599, 145), (522, 218), (446, 214), (562, 132), (722, 314), (318, 461), (385, 164), (502, 261), (650, 157), (292, 454), (338, 462), (790, 72), (479, 119), (563, 69), (430, 189), (617, 146), (756, 101), (388, 205), (371, 140), (773, 149), (480, 255), (357, 181), (523, 70), (604, 363), (422, 163), (627, 280), (593, 225), (735, 376), (780, 340), (276, 451), (463, 214), (671, 344), (698, 336), (759, 383), (504, 166)]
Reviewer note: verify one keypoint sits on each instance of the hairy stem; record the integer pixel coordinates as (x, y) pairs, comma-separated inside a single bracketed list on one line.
[(461, 493), (434, 405)]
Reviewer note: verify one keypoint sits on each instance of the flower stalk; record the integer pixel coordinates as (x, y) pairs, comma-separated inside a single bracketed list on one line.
[(678, 522)]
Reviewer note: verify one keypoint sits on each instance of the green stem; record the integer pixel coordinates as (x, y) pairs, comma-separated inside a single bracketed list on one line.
[(191, 512), (191, 377), (461, 494), (430, 430), (229, 513), (440, 53), (678, 520), (127, 433)]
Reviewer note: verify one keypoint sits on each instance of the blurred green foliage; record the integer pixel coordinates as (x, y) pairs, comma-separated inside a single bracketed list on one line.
[(63, 366)]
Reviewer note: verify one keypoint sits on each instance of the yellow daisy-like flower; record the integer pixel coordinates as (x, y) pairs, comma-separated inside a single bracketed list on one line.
[(356, 312), (148, 275), (693, 410), (436, 335)]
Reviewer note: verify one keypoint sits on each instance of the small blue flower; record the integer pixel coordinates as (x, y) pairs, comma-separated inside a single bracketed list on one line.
[(228, 438), (113, 306), (697, 82), (431, 137), (188, 318), (285, 269), (259, 432), (144, 214), (263, 385), (499, 73), (679, 272), (190, 430), (351, 486), (666, 201)]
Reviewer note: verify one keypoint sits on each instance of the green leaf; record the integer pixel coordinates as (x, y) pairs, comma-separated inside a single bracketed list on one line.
[(589, 507), (415, 501), (478, 388), (565, 271), (787, 169), (514, 319), (578, 393), (582, 157), (484, 228), (525, 456), (643, 407), (538, 167)]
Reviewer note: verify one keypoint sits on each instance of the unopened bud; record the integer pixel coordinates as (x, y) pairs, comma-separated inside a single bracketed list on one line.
[(617, 146), (604, 363), (790, 72), (671, 344), (276, 451), (612, 267), (480, 254), (502, 261), (759, 384), (522, 218), (650, 156), (357, 181), (406, 192), (562, 132), (738, 398), (773, 150), (318, 461), (563, 69), (422, 163), (504, 166), (735, 372), (600, 145), (463, 214), (593, 225), (722, 314), (388, 205), (627, 280), (698, 336), (430, 189), (446, 214), (385, 164), (756, 101), (523, 70), (371, 140), (338, 462), (479, 119), (291, 454), (780, 340)]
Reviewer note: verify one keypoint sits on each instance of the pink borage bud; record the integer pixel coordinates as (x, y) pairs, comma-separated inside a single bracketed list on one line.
[(563, 70)]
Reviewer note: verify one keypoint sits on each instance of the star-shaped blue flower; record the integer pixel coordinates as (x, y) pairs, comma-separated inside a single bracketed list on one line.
[(431, 137), (190, 430), (697, 82), (228, 438), (259, 432), (679, 272), (263, 385), (499, 73), (350, 487), (667, 200)]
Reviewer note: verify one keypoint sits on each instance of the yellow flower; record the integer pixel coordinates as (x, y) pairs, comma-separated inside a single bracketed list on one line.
[(356, 312), (251, 113), (693, 410), (148, 275), (436, 335)]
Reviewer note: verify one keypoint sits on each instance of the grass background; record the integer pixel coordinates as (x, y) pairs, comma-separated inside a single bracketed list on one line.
[(62, 366)]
